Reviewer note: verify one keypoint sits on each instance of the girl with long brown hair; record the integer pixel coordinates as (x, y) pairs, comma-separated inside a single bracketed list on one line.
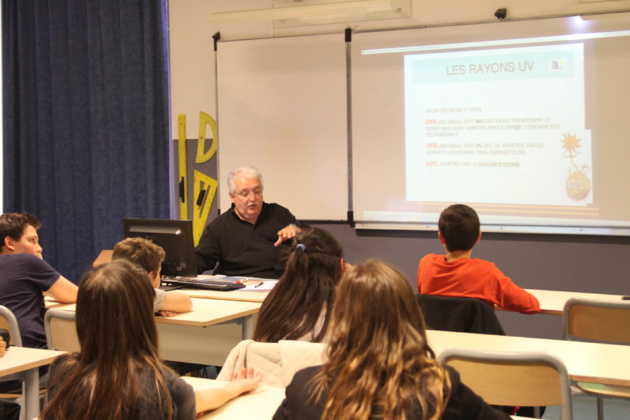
[(379, 364), (298, 307), (118, 374)]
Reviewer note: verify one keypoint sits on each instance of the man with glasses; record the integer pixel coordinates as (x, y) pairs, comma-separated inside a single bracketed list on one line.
[(250, 238)]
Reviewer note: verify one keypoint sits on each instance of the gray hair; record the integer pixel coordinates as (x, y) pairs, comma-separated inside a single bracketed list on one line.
[(248, 172)]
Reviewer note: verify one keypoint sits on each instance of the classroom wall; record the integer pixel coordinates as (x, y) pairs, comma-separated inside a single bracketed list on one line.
[(556, 262)]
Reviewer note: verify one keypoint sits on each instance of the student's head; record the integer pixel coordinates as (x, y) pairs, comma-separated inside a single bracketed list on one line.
[(115, 312), (246, 191), (459, 227), (305, 291), (119, 343), (315, 253), (377, 353), (375, 306), (18, 232), (142, 252)]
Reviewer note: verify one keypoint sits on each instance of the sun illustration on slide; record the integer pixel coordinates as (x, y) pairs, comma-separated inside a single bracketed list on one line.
[(578, 185)]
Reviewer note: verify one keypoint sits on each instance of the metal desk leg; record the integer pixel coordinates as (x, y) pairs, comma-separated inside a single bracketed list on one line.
[(31, 394), (248, 327)]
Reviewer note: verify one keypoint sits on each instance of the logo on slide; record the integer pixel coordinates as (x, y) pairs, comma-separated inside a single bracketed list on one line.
[(559, 64), (578, 185)]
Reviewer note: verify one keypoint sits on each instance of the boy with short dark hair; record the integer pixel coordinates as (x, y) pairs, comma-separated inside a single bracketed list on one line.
[(456, 274), (150, 256), (25, 276)]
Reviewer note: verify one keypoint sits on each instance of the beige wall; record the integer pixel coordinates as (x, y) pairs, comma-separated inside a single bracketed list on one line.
[(192, 51)]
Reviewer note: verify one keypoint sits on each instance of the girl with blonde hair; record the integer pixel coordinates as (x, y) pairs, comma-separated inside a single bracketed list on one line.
[(379, 364)]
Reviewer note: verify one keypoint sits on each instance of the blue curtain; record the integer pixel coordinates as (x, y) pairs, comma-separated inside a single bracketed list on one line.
[(86, 120)]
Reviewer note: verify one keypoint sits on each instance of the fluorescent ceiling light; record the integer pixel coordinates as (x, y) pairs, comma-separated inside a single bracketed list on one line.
[(309, 14)]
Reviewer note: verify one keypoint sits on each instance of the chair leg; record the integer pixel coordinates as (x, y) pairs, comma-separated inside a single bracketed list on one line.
[(537, 412), (600, 408)]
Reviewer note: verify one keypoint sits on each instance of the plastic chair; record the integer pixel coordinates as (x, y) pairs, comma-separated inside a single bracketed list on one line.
[(61, 331), (601, 321), (9, 322), (513, 378)]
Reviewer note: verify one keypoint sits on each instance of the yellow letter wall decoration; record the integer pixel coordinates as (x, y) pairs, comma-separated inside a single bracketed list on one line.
[(203, 204), (181, 152), (204, 121), (204, 186)]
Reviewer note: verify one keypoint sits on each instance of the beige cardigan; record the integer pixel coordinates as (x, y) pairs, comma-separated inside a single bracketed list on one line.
[(277, 362)]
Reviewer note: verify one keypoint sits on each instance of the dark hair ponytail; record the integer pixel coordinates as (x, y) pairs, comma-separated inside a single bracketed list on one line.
[(305, 292)]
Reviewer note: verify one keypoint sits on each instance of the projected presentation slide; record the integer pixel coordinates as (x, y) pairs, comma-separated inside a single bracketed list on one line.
[(525, 121), (508, 124)]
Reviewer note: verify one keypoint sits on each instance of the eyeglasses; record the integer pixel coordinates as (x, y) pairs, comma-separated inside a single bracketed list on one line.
[(244, 194)]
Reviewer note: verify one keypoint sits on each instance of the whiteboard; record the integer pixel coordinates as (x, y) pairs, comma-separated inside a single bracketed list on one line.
[(282, 109)]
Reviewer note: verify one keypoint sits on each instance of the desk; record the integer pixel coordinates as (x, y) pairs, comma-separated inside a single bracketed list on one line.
[(237, 295), (20, 359), (104, 257), (206, 334), (259, 404), (552, 301), (588, 362), (52, 303), (206, 312)]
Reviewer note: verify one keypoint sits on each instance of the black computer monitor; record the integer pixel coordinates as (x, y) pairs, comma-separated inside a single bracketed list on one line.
[(175, 236)]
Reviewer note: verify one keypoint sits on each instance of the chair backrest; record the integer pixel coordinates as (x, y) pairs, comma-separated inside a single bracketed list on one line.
[(513, 378), (9, 322), (459, 314), (277, 362), (61, 331), (597, 320)]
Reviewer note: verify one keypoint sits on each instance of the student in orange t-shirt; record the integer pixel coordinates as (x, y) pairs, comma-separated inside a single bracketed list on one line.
[(457, 274)]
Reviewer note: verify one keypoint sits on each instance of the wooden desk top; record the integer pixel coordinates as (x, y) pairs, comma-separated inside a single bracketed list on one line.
[(52, 303), (234, 295), (259, 404), (19, 359), (552, 301), (589, 362), (104, 257), (205, 312)]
